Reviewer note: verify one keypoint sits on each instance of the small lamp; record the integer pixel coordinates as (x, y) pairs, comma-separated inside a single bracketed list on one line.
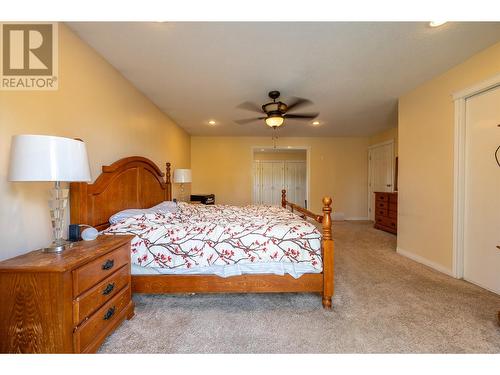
[(182, 176), (49, 158)]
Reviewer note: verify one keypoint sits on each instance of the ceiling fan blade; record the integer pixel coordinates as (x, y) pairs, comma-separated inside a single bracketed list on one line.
[(298, 102), (301, 115), (249, 106), (248, 120)]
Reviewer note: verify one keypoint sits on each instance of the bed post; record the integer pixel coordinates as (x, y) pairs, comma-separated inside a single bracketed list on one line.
[(169, 183), (283, 198), (327, 247)]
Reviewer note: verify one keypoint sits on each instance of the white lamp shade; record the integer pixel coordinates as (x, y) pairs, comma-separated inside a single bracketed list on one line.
[(48, 158), (182, 176)]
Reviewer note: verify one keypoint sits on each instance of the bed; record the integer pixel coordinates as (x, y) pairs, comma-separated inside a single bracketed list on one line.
[(208, 249)]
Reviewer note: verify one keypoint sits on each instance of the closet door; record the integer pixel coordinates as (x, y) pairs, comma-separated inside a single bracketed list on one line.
[(278, 181), (482, 190), (257, 182), (266, 178), (300, 183), (290, 181), (295, 182)]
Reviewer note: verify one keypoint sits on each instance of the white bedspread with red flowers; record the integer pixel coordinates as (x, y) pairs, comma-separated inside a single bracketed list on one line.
[(203, 236)]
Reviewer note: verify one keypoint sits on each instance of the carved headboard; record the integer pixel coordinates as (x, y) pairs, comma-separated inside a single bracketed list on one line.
[(133, 182)]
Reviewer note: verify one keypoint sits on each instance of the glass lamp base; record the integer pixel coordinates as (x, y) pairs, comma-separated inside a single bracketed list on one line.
[(58, 247), (57, 206)]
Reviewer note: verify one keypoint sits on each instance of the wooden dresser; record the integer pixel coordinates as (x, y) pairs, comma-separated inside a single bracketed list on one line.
[(68, 302), (386, 211)]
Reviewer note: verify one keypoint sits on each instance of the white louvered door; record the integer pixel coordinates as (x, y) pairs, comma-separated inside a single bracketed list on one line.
[(270, 177), (256, 181), (266, 177), (300, 183), (295, 182), (278, 182)]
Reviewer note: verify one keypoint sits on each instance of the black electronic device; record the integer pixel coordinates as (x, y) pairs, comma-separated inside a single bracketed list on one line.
[(208, 199)]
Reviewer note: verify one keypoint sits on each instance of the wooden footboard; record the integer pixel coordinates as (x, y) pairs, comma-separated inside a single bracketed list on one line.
[(326, 244)]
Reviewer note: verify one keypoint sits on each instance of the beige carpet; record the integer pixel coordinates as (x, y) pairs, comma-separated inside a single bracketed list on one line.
[(384, 302)]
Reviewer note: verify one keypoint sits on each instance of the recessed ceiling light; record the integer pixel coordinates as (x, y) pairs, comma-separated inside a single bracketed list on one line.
[(315, 123), (262, 150), (211, 122), (437, 23)]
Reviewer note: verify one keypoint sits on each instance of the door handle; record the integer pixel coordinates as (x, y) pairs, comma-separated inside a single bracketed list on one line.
[(389, 185)]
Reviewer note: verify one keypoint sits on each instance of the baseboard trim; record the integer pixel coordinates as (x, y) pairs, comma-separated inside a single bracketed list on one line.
[(425, 261)]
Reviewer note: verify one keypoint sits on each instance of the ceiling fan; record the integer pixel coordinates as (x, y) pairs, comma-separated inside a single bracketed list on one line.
[(276, 111)]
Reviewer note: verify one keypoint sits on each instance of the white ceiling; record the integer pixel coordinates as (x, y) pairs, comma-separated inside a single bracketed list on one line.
[(352, 71)]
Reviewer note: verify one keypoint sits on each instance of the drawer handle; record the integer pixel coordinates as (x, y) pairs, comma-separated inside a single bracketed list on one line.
[(109, 313), (108, 264), (109, 288)]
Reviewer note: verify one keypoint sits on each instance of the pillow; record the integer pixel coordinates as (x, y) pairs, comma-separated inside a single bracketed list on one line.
[(164, 208)]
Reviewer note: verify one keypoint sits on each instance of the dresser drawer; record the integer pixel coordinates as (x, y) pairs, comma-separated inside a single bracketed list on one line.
[(393, 206), (381, 212), (393, 214), (381, 205), (102, 321), (90, 274), (386, 222), (382, 197), (94, 298)]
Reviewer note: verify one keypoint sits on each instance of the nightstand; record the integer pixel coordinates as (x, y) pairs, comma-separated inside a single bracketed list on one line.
[(68, 302)]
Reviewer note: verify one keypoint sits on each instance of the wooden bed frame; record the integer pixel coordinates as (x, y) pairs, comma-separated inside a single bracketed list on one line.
[(137, 182)]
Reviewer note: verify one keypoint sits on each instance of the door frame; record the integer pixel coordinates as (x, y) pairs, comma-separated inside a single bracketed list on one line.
[(307, 149), (459, 169), (371, 214)]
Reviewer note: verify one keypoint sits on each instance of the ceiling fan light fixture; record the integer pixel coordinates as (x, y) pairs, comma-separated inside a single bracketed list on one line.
[(274, 121)]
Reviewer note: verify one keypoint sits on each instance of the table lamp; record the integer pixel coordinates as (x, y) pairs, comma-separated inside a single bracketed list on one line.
[(182, 176), (49, 158)]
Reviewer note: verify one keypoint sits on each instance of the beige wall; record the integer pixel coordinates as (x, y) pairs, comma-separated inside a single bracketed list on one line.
[(386, 135), (426, 136), (285, 155), (95, 103), (338, 167)]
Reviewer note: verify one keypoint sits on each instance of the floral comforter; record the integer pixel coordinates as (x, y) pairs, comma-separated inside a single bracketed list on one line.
[(202, 236)]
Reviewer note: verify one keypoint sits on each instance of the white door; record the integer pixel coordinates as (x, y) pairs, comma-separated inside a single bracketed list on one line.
[(380, 172), (266, 178), (270, 177), (256, 182), (482, 191), (278, 181), (300, 187), (295, 182), (290, 182)]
